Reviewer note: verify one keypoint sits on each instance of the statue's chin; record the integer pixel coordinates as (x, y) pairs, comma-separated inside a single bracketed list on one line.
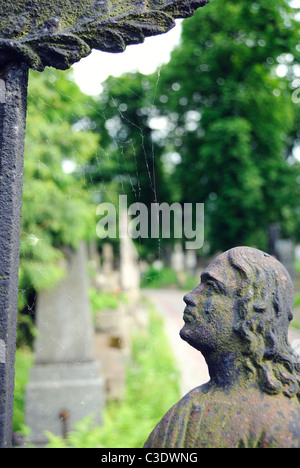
[(183, 333), (187, 335), (198, 339)]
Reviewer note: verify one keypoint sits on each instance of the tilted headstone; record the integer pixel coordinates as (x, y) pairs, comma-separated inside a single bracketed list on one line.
[(238, 318), (191, 261), (108, 259), (129, 262), (178, 263), (177, 259), (66, 377), (35, 34), (285, 250), (94, 256), (108, 278), (64, 320)]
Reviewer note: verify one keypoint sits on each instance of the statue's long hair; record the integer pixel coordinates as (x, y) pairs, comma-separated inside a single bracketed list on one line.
[(264, 311)]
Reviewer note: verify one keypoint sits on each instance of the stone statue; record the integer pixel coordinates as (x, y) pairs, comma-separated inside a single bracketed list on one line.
[(238, 318)]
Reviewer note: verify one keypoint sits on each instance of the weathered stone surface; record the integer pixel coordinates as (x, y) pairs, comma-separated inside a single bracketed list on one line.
[(74, 388), (64, 319), (66, 376), (59, 33), (13, 101), (238, 318)]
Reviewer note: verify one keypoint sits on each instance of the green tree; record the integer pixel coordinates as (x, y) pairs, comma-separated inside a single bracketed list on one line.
[(58, 209), (129, 160), (231, 118)]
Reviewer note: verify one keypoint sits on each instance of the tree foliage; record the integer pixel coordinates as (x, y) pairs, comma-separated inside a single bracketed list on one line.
[(233, 116), (217, 125), (57, 207), (128, 161)]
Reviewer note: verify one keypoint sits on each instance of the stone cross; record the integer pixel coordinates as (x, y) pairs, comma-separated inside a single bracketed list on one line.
[(35, 34)]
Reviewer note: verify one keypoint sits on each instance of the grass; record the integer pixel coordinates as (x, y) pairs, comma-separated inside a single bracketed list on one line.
[(162, 278), (101, 300), (167, 278), (296, 321), (297, 300), (24, 361)]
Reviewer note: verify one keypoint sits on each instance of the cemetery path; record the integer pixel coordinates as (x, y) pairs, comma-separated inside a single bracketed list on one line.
[(193, 369)]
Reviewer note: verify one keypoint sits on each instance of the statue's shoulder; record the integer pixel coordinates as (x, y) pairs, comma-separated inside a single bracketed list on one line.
[(170, 432), (192, 401), (206, 417)]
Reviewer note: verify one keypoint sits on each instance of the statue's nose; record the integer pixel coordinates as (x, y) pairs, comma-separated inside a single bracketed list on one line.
[(189, 299)]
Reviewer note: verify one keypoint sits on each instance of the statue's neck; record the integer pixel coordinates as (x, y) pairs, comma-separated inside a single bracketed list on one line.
[(227, 370)]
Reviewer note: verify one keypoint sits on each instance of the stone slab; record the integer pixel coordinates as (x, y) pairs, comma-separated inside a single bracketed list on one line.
[(77, 389)]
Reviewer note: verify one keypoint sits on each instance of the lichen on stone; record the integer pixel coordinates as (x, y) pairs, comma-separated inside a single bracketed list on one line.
[(58, 33)]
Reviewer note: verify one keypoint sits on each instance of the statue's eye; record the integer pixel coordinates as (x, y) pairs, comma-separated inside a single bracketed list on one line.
[(213, 285)]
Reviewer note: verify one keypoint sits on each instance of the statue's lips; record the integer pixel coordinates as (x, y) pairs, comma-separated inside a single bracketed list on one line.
[(188, 315)]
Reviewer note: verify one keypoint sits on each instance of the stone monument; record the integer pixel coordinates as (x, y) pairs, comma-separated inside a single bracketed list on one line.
[(285, 249), (191, 262), (130, 275), (238, 318), (109, 277), (65, 378), (35, 34), (178, 263)]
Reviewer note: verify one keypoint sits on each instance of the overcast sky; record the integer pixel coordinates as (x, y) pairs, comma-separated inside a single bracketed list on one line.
[(92, 71)]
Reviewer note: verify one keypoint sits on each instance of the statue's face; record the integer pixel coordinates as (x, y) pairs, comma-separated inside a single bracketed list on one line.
[(210, 311)]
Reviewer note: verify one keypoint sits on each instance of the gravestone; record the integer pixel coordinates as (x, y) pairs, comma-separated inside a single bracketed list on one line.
[(238, 318), (108, 259), (94, 256), (177, 259), (129, 262), (114, 327), (178, 263), (35, 34), (191, 262), (285, 250), (113, 347), (65, 377), (273, 234)]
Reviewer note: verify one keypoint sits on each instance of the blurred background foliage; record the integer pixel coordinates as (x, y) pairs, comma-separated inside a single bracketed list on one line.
[(217, 125), (58, 210)]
